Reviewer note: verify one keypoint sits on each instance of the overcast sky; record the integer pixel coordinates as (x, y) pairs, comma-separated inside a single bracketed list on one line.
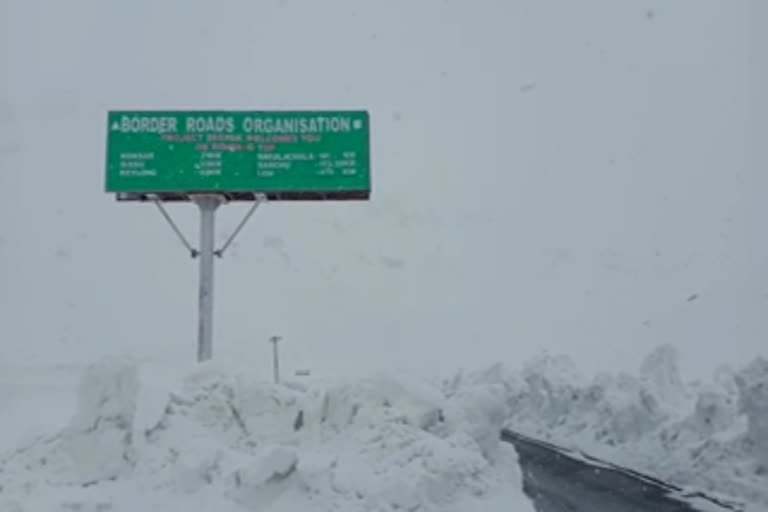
[(547, 176)]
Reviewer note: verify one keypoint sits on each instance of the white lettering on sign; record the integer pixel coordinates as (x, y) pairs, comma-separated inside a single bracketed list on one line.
[(136, 156), (139, 124), (138, 173), (132, 164), (216, 124), (285, 156), (274, 165), (317, 124), (224, 137)]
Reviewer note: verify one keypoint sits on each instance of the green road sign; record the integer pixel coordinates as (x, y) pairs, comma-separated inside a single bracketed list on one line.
[(283, 154)]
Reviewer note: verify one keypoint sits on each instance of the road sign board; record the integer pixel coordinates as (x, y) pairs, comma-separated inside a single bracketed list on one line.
[(283, 154)]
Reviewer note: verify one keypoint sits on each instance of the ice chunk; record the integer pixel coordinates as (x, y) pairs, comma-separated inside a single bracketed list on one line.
[(660, 372), (98, 444), (272, 465), (264, 479), (753, 401), (374, 400), (714, 412)]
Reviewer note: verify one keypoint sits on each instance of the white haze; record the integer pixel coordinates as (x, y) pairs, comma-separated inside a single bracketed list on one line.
[(548, 176)]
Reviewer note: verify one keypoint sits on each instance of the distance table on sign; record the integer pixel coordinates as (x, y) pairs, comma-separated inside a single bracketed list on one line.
[(260, 152)]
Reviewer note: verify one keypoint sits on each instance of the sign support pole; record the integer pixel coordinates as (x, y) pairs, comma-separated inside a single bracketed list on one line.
[(207, 205)]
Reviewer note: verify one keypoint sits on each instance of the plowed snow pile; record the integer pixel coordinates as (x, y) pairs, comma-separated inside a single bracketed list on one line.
[(226, 442), (712, 437)]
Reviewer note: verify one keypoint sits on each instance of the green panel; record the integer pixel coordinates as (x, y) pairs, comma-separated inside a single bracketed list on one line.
[(222, 151)]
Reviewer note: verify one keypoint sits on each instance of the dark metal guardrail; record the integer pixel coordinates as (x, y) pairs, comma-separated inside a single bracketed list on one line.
[(561, 480)]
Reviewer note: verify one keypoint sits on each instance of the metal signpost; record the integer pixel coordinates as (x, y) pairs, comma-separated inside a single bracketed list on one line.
[(275, 359), (214, 157)]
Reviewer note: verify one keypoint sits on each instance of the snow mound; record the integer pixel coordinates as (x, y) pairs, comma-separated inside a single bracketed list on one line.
[(481, 411), (660, 374), (238, 443), (713, 436), (551, 396), (753, 402), (97, 445)]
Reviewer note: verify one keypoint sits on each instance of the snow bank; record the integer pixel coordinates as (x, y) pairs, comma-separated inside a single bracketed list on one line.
[(753, 402), (238, 443), (710, 436), (97, 445), (659, 373)]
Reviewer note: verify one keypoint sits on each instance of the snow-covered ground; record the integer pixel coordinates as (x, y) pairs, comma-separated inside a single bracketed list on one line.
[(223, 439), (712, 435), (148, 436)]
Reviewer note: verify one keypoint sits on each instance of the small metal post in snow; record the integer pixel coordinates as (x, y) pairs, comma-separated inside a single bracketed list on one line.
[(275, 363)]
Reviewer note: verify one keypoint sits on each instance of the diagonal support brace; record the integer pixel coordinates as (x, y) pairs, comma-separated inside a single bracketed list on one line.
[(194, 253), (260, 198)]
